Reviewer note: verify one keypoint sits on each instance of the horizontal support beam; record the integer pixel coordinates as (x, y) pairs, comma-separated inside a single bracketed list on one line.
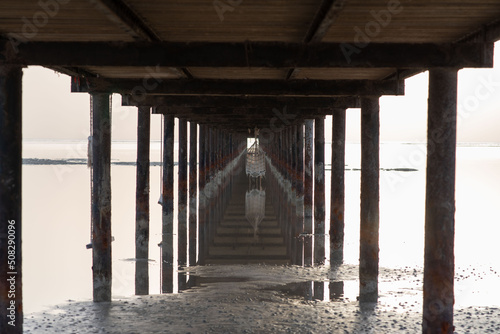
[(180, 101), (250, 54), (266, 113), (205, 87)]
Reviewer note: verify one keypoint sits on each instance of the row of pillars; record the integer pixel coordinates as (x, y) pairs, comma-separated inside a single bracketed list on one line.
[(221, 148), (295, 158), (219, 154)]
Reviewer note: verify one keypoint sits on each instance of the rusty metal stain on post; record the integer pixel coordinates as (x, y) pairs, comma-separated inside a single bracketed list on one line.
[(308, 191), (369, 227), (337, 201), (319, 190), (168, 206), (11, 198), (193, 141), (142, 202), (182, 203), (439, 259)]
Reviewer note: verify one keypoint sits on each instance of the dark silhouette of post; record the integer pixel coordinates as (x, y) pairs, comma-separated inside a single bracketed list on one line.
[(300, 193), (319, 190), (369, 229), (11, 289), (182, 202), (142, 202), (101, 197), (337, 201), (193, 192), (308, 192), (202, 197), (167, 258), (439, 261)]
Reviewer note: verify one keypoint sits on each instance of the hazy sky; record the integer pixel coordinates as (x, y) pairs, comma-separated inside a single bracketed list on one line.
[(51, 111)]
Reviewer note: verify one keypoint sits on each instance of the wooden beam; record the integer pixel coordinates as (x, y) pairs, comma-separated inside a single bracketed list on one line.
[(208, 87), (181, 101), (487, 33), (250, 54), (326, 15), (124, 17), (323, 20)]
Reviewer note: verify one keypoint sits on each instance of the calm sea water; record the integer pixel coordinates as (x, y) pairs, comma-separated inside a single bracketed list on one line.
[(56, 218)]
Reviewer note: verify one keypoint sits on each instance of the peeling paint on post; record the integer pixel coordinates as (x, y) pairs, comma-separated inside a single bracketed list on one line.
[(369, 229), (193, 141), (182, 204), (439, 262), (337, 202), (101, 198), (167, 267), (142, 202), (308, 192), (319, 190), (11, 309)]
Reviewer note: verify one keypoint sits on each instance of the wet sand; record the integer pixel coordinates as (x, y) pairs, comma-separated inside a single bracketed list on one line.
[(265, 299)]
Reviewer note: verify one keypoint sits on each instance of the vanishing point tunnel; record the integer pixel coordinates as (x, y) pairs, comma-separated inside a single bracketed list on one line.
[(233, 70)]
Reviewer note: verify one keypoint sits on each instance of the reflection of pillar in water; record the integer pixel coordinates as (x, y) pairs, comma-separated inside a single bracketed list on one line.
[(308, 290), (319, 290), (255, 208), (336, 290)]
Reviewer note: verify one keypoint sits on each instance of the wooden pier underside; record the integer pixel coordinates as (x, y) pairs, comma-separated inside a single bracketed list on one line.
[(230, 66)]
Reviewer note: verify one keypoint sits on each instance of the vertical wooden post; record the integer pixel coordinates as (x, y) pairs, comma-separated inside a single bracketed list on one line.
[(193, 143), (182, 203), (101, 198), (369, 230), (300, 193), (337, 188), (202, 196), (439, 262), (142, 202), (11, 292), (319, 190), (168, 205), (308, 192)]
